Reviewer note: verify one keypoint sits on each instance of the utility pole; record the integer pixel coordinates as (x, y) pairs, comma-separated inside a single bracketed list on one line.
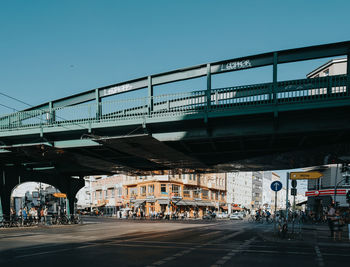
[(287, 193), (335, 187)]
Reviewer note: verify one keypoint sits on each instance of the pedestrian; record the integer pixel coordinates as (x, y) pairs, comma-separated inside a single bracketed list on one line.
[(42, 216), (45, 215), (338, 223), (330, 219)]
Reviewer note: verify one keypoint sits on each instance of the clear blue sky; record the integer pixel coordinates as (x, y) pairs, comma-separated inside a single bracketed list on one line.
[(52, 49)]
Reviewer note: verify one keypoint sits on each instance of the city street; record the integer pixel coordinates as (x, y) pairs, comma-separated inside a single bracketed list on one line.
[(110, 242)]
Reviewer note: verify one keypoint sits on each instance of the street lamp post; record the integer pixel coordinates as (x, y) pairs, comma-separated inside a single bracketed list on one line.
[(335, 183)]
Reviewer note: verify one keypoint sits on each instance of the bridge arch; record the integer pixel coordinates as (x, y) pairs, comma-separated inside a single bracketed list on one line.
[(34, 194), (13, 176)]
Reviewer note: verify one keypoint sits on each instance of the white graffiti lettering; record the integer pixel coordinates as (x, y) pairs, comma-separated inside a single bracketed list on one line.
[(236, 65), (117, 89)]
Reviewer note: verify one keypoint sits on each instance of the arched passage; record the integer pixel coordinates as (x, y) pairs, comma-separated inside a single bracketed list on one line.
[(10, 177), (38, 196)]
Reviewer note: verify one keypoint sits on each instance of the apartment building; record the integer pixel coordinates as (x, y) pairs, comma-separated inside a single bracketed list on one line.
[(257, 190), (192, 193), (330, 68), (239, 190), (107, 192)]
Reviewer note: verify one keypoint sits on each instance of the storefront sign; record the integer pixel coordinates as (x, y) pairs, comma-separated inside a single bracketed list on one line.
[(60, 195), (326, 192)]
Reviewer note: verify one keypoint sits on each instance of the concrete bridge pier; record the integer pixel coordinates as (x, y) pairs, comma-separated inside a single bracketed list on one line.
[(10, 177)]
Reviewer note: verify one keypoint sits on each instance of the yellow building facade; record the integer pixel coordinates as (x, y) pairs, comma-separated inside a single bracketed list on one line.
[(191, 195)]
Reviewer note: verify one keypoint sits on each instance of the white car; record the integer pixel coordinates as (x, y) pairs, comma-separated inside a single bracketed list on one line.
[(222, 215), (236, 216)]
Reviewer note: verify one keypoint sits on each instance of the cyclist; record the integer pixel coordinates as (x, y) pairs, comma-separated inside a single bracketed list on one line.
[(268, 215), (257, 215)]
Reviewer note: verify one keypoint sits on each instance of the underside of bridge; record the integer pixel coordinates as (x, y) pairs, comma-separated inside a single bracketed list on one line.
[(216, 144)]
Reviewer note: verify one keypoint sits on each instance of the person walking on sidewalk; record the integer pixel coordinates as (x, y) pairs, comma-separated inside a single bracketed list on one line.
[(338, 223), (330, 219)]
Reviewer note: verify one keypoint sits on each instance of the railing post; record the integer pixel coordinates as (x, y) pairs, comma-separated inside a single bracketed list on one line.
[(150, 95), (274, 78), (98, 104), (329, 86), (208, 87), (52, 113), (348, 73), (41, 123)]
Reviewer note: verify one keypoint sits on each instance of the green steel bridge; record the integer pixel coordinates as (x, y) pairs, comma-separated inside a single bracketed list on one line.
[(277, 125)]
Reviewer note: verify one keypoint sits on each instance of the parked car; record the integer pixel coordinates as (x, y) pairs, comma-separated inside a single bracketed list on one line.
[(236, 216), (222, 215), (209, 216)]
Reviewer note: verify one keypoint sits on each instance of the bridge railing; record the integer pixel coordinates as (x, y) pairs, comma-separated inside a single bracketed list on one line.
[(315, 89), (230, 98)]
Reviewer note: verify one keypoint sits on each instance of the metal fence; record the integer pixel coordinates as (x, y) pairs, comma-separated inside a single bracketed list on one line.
[(169, 105)]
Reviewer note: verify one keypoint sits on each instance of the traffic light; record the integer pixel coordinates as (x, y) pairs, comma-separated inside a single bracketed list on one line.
[(348, 197)]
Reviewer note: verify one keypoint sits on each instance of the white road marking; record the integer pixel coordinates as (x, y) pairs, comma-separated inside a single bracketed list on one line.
[(319, 257), (210, 233), (159, 262), (229, 255)]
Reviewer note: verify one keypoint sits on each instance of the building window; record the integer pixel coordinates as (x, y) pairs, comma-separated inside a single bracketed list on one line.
[(187, 191), (196, 193), (119, 192), (175, 189), (151, 189), (133, 191), (163, 188), (222, 196), (183, 176), (143, 190), (106, 194), (205, 194), (111, 192), (326, 72)]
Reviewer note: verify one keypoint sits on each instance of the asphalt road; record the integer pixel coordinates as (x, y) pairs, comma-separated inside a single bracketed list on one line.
[(109, 242)]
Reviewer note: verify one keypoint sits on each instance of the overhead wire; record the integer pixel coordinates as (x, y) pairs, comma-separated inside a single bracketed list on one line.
[(20, 101)]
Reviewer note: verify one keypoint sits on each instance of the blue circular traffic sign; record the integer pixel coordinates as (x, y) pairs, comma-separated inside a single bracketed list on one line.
[(276, 186)]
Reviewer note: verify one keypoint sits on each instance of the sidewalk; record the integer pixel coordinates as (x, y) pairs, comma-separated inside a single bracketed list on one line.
[(308, 233)]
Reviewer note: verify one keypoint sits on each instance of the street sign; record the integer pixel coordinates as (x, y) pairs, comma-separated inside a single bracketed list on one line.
[(276, 186), (305, 175), (59, 195), (293, 192)]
